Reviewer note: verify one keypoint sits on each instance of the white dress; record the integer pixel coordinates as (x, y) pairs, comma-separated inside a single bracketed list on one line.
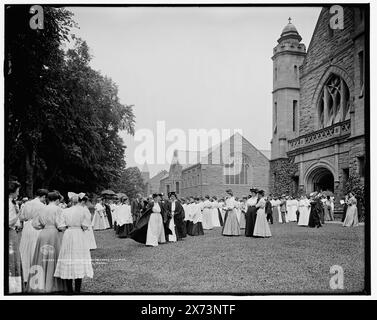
[(155, 231), (89, 234), (207, 215), (215, 214), (303, 207), (261, 229), (291, 212), (278, 202), (351, 218), (100, 221), (29, 234), (74, 260)]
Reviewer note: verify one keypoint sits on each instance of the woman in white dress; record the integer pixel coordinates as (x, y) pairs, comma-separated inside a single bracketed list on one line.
[(261, 229), (215, 212), (47, 249), (30, 235), (291, 212), (207, 214), (231, 224), (155, 231), (100, 221), (74, 262), (304, 209), (124, 219), (351, 219), (89, 234)]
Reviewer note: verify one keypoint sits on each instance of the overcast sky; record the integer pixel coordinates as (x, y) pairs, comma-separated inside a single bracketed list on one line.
[(194, 68)]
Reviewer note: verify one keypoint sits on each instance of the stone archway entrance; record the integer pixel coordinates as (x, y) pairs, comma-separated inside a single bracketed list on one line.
[(320, 179)]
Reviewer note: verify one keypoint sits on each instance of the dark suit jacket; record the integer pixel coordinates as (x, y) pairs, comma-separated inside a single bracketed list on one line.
[(136, 208), (268, 207)]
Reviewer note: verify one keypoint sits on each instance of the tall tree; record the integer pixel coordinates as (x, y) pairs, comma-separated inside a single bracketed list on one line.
[(130, 182), (63, 116)]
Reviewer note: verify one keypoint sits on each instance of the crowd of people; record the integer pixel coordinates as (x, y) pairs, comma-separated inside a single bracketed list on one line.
[(50, 241)]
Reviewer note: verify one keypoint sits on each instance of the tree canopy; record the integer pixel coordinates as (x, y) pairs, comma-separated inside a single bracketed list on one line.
[(64, 117)]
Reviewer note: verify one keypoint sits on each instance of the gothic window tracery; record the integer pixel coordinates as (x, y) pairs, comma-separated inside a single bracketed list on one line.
[(334, 104)]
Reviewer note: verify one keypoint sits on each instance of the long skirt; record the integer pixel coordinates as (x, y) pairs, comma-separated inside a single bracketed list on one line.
[(231, 224), (156, 231), (314, 218), (207, 219), (197, 229), (180, 226), (352, 219), (15, 268), (304, 216), (238, 214), (189, 225), (242, 220), (125, 230), (250, 216), (327, 216), (216, 217), (291, 216), (41, 276), (74, 260), (275, 214), (220, 217), (261, 229), (28, 241), (89, 235), (99, 222)]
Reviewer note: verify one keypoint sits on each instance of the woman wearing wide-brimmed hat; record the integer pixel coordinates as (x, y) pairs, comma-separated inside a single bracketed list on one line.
[(231, 224)]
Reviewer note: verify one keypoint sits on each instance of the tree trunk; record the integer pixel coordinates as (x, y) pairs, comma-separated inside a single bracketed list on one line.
[(29, 165)]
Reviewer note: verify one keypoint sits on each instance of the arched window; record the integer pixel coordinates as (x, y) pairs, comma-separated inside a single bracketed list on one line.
[(236, 169), (334, 103)]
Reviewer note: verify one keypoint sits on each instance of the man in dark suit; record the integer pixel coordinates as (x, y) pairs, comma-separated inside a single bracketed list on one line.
[(136, 208)]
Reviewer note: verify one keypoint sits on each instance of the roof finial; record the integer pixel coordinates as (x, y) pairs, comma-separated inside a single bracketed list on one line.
[(289, 20)]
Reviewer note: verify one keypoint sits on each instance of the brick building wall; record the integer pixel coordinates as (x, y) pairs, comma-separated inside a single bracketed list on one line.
[(208, 178), (329, 51)]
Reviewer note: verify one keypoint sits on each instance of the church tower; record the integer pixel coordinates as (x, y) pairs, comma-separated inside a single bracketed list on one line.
[(287, 57)]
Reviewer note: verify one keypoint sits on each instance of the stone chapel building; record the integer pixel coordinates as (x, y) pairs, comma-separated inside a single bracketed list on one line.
[(318, 134)]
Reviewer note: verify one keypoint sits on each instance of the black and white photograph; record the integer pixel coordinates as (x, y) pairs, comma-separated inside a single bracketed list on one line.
[(186, 149)]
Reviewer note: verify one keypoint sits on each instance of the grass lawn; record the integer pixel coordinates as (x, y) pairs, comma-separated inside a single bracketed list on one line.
[(295, 260)]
